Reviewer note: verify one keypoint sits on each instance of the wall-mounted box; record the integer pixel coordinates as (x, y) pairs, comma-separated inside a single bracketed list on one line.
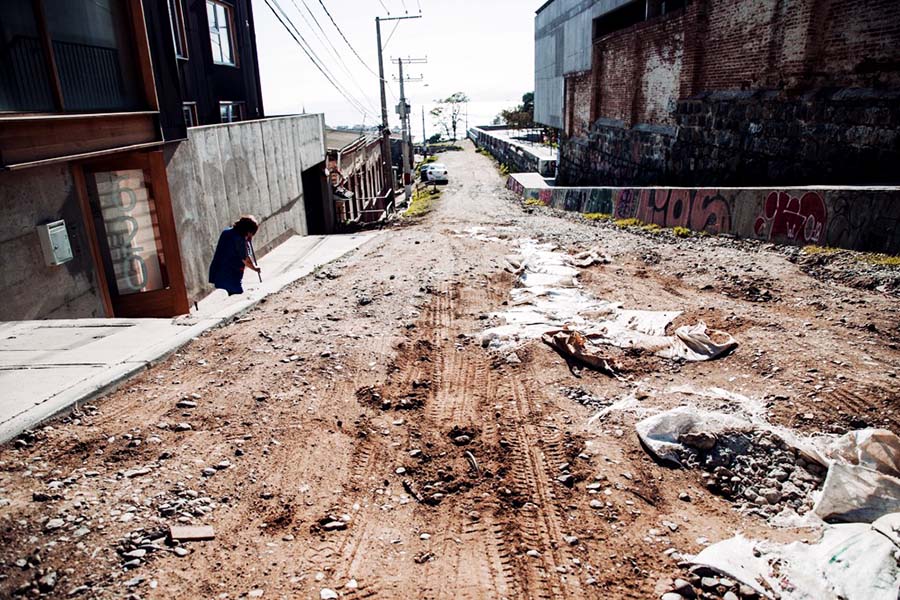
[(55, 243)]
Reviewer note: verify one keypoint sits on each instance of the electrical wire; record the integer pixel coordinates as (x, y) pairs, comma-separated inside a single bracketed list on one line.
[(403, 2), (325, 41), (297, 38), (384, 7)]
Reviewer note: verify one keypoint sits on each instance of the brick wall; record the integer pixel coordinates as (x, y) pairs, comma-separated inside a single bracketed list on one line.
[(743, 92)]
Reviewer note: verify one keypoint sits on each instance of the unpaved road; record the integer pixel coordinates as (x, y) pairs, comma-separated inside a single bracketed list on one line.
[(334, 405)]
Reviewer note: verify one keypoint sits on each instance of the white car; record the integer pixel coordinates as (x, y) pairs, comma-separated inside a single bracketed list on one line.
[(436, 172)]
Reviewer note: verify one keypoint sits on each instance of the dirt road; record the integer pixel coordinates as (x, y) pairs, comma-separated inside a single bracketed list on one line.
[(352, 435)]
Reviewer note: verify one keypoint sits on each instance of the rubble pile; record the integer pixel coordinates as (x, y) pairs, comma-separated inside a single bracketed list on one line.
[(756, 470), (706, 584)]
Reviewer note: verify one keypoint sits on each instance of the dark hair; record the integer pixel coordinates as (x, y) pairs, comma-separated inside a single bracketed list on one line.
[(246, 224)]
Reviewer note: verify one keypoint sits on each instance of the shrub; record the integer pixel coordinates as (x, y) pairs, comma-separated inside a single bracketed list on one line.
[(533, 202), (628, 222), (682, 232), (597, 216)]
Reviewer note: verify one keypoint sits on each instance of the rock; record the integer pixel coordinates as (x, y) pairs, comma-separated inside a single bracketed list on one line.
[(334, 526), (136, 472), (183, 427), (571, 540), (139, 553), (771, 495), (700, 440), (747, 592), (255, 593), (400, 470), (672, 526), (223, 465), (596, 504), (567, 480), (684, 497), (462, 440), (351, 585), (327, 594), (513, 359), (474, 515), (533, 554), (134, 581), (47, 582), (730, 596), (54, 524), (81, 532), (209, 472), (671, 596), (186, 404), (78, 590), (684, 588), (709, 583), (181, 552)]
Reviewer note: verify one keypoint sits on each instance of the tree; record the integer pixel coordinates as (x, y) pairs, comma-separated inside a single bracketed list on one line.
[(522, 116), (447, 113)]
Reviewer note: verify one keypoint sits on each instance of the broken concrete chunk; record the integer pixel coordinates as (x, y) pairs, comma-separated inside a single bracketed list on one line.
[(191, 533)]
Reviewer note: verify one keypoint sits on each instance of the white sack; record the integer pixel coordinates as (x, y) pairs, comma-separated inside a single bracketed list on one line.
[(660, 433), (877, 449), (853, 561), (856, 494)]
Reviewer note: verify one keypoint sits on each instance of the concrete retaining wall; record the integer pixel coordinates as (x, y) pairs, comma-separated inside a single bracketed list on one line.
[(856, 218), (224, 171), (517, 157)]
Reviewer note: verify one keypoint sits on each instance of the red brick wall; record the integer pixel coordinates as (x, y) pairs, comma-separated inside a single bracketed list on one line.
[(719, 45), (578, 90)]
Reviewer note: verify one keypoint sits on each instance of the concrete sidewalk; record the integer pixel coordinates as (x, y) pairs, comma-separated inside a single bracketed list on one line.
[(46, 366)]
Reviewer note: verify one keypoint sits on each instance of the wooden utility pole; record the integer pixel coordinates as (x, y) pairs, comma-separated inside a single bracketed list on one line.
[(385, 128), (404, 110)]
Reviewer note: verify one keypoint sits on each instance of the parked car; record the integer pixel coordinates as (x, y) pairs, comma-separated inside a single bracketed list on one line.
[(436, 172)]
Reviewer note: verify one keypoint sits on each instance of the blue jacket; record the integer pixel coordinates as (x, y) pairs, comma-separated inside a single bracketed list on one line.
[(227, 268)]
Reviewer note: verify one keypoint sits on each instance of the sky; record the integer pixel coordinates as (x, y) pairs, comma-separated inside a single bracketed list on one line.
[(484, 48)]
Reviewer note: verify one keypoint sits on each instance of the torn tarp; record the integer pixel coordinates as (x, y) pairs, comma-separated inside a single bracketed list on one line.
[(854, 561), (573, 344)]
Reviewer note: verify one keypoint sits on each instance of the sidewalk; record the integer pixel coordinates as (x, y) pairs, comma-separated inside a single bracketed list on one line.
[(46, 366)]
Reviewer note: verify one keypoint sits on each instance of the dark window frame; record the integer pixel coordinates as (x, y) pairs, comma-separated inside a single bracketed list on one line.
[(240, 105), (230, 31), (135, 37), (179, 33), (192, 107)]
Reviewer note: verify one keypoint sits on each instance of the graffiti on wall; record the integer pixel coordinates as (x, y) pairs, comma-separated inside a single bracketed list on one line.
[(700, 210), (787, 217)]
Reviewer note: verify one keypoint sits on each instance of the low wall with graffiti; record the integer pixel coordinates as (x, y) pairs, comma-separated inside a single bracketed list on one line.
[(856, 218)]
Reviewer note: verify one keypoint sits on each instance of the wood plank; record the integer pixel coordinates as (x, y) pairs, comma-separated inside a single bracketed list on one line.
[(35, 139), (88, 217), (142, 45)]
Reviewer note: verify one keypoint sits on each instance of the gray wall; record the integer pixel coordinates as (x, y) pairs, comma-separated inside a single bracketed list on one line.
[(28, 287), (562, 45), (224, 171)]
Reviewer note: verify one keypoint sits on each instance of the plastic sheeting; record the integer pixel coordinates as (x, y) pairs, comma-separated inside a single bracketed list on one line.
[(549, 300), (853, 493), (853, 561)]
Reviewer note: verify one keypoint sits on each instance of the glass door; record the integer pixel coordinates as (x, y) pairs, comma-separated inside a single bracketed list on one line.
[(133, 231)]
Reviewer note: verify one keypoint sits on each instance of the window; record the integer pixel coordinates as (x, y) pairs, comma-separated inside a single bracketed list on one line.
[(24, 74), (91, 44), (179, 37), (189, 110), (221, 32), (231, 112)]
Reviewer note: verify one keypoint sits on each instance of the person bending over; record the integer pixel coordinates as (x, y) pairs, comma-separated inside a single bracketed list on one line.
[(232, 254)]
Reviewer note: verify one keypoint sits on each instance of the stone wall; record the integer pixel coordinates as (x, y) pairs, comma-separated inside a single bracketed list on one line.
[(856, 218), (30, 289), (224, 171), (846, 137), (742, 92)]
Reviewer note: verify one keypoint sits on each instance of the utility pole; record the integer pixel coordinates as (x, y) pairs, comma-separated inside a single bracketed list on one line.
[(424, 139), (385, 129), (403, 109)]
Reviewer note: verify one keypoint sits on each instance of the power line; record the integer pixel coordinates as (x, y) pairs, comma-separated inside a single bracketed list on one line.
[(324, 40), (353, 102), (325, 8), (384, 7)]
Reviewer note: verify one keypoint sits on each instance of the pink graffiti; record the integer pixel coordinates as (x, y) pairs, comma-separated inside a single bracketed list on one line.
[(788, 217), (545, 195), (699, 210)]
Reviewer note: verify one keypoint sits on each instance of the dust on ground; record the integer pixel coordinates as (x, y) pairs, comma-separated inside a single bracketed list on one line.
[(351, 435)]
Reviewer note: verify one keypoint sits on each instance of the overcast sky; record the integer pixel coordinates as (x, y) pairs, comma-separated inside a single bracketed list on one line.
[(484, 48)]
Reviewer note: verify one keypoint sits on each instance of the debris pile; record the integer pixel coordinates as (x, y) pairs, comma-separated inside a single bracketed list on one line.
[(549, 304)]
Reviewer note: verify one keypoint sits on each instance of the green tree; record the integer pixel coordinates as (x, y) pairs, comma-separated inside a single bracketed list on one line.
[(448, 113), (521, 116)]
